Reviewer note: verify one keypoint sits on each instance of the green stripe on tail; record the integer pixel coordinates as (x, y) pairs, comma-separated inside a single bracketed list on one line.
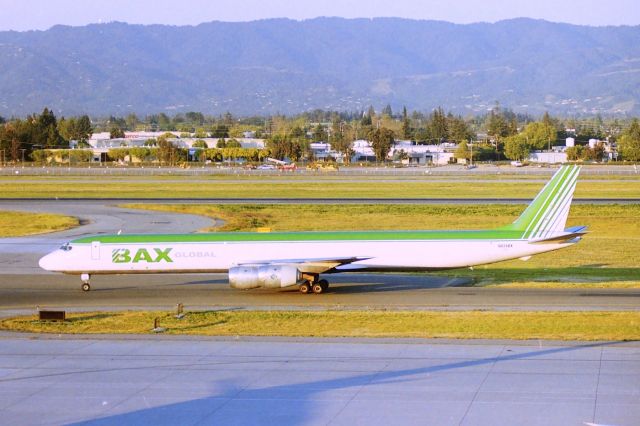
[(547, 213)]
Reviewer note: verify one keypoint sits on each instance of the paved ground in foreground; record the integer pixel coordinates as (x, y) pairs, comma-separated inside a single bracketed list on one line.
[(158, 380), (22, 293)]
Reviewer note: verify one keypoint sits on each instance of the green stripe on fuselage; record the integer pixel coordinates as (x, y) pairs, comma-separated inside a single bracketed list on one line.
[(238, 237)]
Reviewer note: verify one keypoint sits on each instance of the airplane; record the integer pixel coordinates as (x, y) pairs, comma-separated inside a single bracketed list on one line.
[(284, 259)]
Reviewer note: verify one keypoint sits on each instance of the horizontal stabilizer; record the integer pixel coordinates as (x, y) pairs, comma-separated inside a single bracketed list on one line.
[(568, 235)]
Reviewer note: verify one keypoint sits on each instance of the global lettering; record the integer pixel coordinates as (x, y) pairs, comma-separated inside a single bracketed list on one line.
[(141, 255)]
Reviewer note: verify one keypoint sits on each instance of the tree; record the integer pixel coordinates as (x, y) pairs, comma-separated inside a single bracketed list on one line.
[(166, 151), (539, 135), (233, 143), (629, 142), (438, 128), (220, 131), (387, 111), (517, 148), (463, 151), (221, 143), (200, 144), (367, 118), (116, 133), (195, 118), (497, 126), (382, 140), (575, 153), (84, 130), (458, 129), (319, 133), (284, 147), (406, 124), (132, 121)]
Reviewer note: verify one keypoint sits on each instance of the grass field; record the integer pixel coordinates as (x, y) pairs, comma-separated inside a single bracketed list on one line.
[(608, 256), (18, 224), (474, 324), (267, 187)]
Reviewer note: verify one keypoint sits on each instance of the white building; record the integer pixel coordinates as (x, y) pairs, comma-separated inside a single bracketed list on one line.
[(549, 157)]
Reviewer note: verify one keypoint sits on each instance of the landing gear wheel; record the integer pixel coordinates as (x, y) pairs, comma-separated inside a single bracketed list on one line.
[(305, 288), (85, 281), (318, 288), (324, 284)]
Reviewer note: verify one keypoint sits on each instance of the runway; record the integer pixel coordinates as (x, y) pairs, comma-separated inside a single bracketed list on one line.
[(22, 293), (152, 380)]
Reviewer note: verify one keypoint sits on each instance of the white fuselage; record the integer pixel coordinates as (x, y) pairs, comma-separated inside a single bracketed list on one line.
[(114, 258)]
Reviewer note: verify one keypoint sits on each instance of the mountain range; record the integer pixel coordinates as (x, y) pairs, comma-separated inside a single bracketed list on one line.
[(287, 66)]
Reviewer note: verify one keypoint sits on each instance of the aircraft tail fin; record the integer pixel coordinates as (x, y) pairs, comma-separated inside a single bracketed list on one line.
[(547, 214)]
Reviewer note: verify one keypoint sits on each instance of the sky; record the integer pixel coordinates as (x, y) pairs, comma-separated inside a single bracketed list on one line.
[(23, 15)]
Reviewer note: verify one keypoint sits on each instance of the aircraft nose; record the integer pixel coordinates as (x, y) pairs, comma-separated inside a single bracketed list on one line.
[(48, 262)]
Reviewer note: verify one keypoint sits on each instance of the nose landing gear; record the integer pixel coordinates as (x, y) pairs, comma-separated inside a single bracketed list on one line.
[(85, 282)]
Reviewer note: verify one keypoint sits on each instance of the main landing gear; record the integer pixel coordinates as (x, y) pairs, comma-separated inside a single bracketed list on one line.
[(313, 284), (85, 282)]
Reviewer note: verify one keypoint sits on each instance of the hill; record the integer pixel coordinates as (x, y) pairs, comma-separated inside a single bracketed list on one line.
[(287, 66)]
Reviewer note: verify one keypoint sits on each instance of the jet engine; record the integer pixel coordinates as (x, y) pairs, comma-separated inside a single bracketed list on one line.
[(268, 276)]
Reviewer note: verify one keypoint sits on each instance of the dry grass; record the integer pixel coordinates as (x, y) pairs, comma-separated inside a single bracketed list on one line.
[(18, 224), (463, 325)]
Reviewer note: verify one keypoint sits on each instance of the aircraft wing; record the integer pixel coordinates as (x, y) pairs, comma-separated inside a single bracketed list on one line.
[(312, 266)]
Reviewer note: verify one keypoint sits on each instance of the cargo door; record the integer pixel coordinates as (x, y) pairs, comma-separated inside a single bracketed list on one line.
[(95, 250)]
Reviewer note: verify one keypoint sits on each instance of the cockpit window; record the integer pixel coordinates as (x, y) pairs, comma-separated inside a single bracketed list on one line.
[(66, 247)]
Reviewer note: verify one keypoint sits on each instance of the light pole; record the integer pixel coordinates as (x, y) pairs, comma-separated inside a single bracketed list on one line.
[(23, 150)]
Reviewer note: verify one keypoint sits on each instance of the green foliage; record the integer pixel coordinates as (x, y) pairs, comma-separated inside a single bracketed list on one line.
[(249, 154), (629, 142), (319, 134), (438, 125), (497, 125), (575, 153), (140, 153), (80, 155), (539, 135), (285, 147), (167, 152), (462, 151), (77, 129), (233, 143), (406, 124), (382, 140), (40, 156), (118, 154), (200, 144), (116, 132), (517, 148), (457, 129), (220, 131)]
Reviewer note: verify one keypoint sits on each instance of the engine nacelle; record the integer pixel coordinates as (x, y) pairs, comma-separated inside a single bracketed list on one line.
[(268, 276)]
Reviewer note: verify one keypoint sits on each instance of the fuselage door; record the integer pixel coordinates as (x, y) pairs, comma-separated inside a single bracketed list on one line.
[(95, 250)]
